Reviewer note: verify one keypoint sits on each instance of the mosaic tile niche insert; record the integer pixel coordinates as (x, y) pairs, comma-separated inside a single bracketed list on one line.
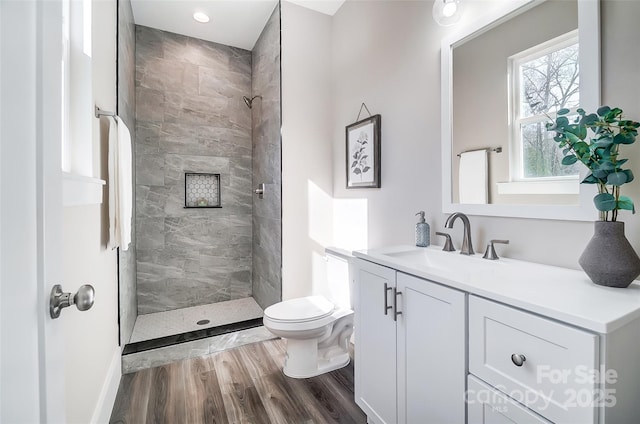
[(201, 190)]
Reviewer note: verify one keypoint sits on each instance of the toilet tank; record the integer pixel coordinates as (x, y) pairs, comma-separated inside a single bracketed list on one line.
[(340, 278)]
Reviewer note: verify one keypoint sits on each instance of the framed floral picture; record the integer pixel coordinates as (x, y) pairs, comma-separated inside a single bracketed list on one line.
[(363, 153)]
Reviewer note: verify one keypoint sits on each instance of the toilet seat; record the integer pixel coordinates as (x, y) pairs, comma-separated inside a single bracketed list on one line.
[(300, 310)]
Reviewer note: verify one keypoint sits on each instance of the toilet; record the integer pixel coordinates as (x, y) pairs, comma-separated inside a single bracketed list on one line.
[(317, 328)]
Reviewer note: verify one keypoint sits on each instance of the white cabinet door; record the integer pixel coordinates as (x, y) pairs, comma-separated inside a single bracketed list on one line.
[(375, 351), (431, 352)]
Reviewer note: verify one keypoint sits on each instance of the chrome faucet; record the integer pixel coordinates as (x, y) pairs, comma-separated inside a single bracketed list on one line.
[(467, 246)]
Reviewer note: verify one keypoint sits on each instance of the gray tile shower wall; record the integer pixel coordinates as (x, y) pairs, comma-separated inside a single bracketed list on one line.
[(127, 112), (191, 118), (267, 212)]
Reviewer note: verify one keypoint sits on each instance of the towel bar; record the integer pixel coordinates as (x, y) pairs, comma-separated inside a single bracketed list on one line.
[(99, 112), (488, 149)]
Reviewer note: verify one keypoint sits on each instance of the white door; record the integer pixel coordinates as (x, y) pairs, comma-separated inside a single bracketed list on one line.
[(375, 327), (31, 351), (431, 352)]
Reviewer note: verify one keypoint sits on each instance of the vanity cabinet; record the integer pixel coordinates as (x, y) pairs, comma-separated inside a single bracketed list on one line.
[(410, 348), (445, 338)]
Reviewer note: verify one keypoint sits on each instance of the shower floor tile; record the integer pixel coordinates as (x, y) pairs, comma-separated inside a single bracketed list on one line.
[(178, 321)]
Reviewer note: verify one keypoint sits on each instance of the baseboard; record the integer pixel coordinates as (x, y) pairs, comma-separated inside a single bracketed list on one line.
[(102, 412)]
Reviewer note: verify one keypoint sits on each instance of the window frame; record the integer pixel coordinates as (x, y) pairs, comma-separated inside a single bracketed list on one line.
[(516, 122)]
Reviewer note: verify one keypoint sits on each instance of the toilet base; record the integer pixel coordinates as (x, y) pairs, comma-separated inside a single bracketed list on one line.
[(304, 359)]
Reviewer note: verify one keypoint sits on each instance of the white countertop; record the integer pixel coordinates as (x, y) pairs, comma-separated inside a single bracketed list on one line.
[(559, 293)]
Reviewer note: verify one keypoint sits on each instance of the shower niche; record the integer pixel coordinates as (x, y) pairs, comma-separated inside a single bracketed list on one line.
[(201, 190)]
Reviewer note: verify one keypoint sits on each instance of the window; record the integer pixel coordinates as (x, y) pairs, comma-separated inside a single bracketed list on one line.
[(79, 185), (544, 79), (77, 109)]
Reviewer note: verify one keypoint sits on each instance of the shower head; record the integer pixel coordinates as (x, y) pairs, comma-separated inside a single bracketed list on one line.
[(249, 101)]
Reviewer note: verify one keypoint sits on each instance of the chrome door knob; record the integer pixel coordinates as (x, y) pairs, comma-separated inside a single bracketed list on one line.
[(83, 299)]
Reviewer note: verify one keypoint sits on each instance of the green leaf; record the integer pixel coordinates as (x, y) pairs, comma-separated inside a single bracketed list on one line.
[(603, 110), (569, 160), (581, 148), (606, 142), (623, 139), (604, 202), (629, 175), (606, 165), (590, 179), (626, 203), (572, 138), (562, 122), (589, 119), (563, 111), (616, 178)]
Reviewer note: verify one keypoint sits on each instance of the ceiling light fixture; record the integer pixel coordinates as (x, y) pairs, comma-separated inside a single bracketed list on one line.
[(446, 12), (201, 17)]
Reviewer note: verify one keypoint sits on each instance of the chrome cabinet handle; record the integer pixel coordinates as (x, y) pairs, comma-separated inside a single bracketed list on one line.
[(518, 359), (83, 299), (386, 302), (396, 293)]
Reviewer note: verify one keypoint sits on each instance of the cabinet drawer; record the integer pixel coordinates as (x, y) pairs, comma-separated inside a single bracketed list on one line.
[(553, 378), (487, 406)]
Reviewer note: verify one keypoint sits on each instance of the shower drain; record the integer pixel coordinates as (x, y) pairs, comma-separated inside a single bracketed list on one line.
[(203, 322)]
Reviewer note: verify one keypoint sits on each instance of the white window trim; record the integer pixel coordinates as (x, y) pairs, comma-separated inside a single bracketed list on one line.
[(79, 186), (569, 185), (78, 190), (515, 144)]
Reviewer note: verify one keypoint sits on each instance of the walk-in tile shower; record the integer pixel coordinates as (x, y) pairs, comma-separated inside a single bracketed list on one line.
[(202, 235)]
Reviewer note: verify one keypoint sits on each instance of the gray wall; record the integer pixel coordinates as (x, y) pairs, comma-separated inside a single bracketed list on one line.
[(127, 112), (267, 212), (191, 118)]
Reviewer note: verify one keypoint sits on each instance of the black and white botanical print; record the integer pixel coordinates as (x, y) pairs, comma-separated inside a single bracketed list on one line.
[(361, 150)]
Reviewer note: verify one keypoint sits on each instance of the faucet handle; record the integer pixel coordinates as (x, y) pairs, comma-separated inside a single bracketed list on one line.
[(448, 245), (490, 253)]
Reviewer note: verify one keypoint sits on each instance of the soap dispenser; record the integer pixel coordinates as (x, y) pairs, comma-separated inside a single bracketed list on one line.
[(423, 232)]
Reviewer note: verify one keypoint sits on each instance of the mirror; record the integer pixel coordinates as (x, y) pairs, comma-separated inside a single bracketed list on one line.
[(502, 76)]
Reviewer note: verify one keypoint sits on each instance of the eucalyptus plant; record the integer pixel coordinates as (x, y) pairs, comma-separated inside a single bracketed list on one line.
[(600, 154)]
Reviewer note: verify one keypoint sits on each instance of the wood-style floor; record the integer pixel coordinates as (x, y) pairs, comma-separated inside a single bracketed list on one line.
[(242, 385)]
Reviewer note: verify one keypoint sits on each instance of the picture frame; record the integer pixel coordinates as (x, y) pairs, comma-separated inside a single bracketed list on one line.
[(363, 153)]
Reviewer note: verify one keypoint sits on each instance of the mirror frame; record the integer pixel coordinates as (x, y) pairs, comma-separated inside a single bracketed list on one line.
[(589, 36)]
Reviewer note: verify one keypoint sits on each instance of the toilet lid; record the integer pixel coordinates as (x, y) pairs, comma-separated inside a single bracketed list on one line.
[(300, 309)]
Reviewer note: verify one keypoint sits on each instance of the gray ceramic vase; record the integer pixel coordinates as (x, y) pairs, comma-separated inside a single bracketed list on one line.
[(609, 259)]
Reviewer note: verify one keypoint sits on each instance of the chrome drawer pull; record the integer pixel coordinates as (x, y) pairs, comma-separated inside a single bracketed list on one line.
[(386, 303), (518, 359), (395, 304)]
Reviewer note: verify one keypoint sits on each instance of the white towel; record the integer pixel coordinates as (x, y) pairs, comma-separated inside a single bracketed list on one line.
[(473, 181), (120, 184)]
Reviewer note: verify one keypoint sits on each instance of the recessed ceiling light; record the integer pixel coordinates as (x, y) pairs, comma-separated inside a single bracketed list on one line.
[(201, 17)]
